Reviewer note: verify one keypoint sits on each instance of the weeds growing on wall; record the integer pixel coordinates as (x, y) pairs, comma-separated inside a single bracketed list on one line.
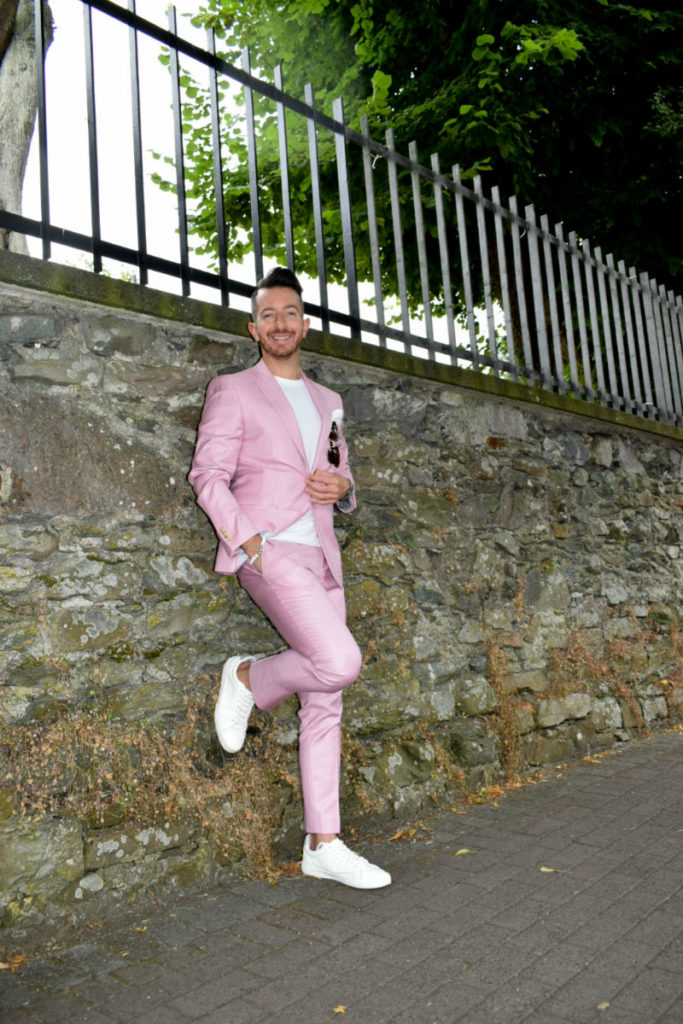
[(576, 669), (677, 647), (445, 767), (104, 771), (354, 757), (505, 719)]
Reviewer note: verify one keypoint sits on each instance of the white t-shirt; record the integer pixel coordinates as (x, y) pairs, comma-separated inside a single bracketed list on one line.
[(303, 531)]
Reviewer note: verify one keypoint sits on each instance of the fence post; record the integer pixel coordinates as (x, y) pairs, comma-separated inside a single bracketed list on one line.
[(636, 293), (632, 364), (504, 283), (567, 308), (595, 329), (647, 289), (615, 397), (92, 141), (668, 342), (398, 236), (486, 271), (520, 290), (619, 334), (253, 169), (552, 303), (134, 61), (537, 292), (465, 266), (421, 245), (221, 237), (284, 171), (443, 257), (676, 309), (179, 159), (346, 218), (39, 20), (317, 207), (368, 175)]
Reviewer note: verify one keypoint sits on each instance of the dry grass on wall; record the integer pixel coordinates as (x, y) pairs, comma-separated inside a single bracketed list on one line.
[(103, 772)]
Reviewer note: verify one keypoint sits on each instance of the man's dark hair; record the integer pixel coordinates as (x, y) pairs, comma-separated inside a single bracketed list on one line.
[(278, 277)]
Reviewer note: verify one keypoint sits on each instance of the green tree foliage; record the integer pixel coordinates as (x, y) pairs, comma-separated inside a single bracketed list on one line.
[(574, 105)]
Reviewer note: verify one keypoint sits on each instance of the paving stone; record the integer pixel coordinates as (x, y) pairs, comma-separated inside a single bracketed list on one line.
[(346, 927), (652, 992), (21, 1015), (419, 917), (239, 1012), (356, 952), (450, 1004), (674, 1015), (97, 990), (227, 987), (273, 996), (16, 992), (671, 956), (124, 1004), (658, 928), (57, 1009)]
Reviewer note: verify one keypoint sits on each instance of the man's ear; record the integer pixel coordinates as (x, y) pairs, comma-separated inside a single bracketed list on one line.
[(253, 330)]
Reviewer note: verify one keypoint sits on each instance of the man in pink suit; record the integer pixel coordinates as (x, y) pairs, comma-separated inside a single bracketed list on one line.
[(269, 467)]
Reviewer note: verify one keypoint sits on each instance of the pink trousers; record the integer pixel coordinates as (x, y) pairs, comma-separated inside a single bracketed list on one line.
[(298, 593)]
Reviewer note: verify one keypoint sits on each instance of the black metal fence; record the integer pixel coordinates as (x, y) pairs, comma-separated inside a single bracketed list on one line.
[(447, 272)]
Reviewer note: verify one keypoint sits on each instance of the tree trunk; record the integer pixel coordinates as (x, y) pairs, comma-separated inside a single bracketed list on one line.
[(8, 14), (18, 99)]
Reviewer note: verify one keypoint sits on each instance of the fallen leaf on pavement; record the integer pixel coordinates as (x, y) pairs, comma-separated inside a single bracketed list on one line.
[(405, 833), (464, 851), (13, 964), (291, 868)]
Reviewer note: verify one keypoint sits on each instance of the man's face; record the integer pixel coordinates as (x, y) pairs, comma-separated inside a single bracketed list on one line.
[(279, 325)]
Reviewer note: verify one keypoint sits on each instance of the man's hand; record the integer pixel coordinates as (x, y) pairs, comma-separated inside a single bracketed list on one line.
[(250, 547), (327, 488)]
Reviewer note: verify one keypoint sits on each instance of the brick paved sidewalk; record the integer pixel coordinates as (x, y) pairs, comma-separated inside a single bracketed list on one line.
[(566, 910)]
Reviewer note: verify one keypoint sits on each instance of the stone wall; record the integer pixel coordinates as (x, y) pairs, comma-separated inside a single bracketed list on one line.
[(513, 574)]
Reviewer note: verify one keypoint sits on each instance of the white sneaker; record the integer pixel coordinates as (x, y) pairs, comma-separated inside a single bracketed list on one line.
[(339, 864), (233, 707)]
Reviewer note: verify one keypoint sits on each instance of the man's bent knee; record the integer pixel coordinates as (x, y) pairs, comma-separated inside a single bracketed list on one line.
[(340, 666)]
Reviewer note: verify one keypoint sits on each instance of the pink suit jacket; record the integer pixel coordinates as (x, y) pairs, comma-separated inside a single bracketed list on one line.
[(249, 468)]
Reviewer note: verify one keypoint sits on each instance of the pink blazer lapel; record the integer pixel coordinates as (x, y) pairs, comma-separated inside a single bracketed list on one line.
[(281, 407), (326, 423)]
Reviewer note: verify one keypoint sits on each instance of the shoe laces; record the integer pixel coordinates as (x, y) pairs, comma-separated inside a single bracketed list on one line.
[(243, 703), (342, 851)]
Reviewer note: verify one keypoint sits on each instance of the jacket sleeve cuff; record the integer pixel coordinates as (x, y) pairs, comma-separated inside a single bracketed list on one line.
[(234, 542), (348, 502)]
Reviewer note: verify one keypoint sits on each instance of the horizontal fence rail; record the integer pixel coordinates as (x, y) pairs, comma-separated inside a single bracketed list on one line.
[(430, 266)]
